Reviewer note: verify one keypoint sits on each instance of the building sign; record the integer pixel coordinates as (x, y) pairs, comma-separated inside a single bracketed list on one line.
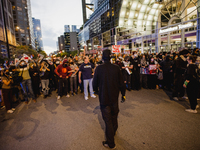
[(116, 48), (179, 27)]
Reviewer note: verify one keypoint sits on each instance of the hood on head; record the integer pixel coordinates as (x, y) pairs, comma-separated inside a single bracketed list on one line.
[(65, 61)]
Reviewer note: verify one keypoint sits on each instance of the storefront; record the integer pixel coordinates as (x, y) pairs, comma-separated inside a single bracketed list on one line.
[(159, 27)]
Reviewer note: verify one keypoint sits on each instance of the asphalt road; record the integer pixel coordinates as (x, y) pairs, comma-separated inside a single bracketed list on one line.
[(148, 120)]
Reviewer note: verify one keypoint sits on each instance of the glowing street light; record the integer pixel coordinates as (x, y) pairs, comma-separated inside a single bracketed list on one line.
[(38, 28)]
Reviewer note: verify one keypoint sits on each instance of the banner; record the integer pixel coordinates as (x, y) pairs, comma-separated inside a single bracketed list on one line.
[(116, 48), (152, 69), (16, 61), (25, 58)]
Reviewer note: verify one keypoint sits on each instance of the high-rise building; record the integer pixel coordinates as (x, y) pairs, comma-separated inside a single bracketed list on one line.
[(74, 29), (32, 37), (71, 41), (37, 34), (23, 22), (144, 26), (67, 28), (61, 43), (6, 9)]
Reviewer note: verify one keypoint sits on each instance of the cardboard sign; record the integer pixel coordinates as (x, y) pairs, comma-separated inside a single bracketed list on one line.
[(116, 48), (152, 69), (144, 71), (16, 61)]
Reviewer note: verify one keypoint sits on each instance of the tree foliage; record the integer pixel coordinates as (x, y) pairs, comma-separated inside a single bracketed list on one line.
[(42, 52), (63, 54), (23, 49)]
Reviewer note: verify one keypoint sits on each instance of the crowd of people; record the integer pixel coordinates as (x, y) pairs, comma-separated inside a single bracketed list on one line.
[(176, 72)]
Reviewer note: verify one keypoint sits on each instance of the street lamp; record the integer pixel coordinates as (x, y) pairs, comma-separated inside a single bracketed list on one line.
[(38, 28)]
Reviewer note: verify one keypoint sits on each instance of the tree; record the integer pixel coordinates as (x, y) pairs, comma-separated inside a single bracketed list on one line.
[(42, 52), (23, 49)]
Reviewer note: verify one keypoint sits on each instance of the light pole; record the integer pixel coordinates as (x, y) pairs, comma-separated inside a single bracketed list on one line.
[(4, 20)]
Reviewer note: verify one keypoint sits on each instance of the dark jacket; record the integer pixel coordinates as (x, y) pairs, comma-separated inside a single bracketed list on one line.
[(191, 73), (180, 65), (108, 80)]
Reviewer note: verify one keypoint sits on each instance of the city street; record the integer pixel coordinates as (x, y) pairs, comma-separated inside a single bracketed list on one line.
[(148, 120)]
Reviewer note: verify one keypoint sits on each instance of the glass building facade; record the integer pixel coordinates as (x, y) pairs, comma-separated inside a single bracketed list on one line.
[(7, 8), (143, 25), (37, 34), (23, 22)]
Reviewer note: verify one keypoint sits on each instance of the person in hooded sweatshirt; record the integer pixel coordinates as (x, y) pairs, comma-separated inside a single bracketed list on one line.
[(192, 84), (35, 78), (180, 66), (109, 82), (63, 73)]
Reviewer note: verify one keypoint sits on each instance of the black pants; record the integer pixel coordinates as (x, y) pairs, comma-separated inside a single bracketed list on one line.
[(7, 97), (36, 86), (109, 114), (179, 90), (127, 78), (192, 92), (167, 80), (63, 87), (143, 80), (152, 81), (135, 80)]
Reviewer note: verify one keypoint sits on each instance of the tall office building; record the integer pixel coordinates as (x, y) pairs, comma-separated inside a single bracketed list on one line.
[(144, 26), (23, 22), (61, 43), (74, 29), (6, 9), (67, 28), (71, 41), (37, 34)]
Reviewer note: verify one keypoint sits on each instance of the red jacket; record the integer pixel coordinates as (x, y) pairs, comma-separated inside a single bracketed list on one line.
[(63, 71)]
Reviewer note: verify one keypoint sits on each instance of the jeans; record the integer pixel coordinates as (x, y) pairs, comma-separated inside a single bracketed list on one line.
[(73, 84), (86, 82), (27, 84), (45, 86), (109, 114), (61, 87)]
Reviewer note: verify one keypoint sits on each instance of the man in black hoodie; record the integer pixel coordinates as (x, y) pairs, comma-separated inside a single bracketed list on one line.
[(109, 81), (180, 66)]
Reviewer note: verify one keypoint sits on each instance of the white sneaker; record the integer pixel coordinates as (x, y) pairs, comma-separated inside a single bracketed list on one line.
[(175, 98), (58, 98), (197, 106), (10, 111), (184, 97), (191, 111), (67, 95), (93, 96), (86, 98), (3, 107)]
